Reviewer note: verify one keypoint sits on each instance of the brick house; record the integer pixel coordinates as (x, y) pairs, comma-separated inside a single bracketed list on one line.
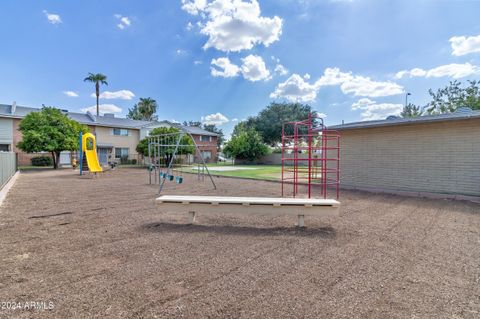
[(205, 140), (428, 155), (117, 138)]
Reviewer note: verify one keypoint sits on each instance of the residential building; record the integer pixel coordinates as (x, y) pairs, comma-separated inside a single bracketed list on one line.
[(117, 138), (436, 154), (207, 141)]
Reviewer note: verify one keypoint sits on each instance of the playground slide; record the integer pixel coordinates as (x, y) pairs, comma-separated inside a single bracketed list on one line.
[(89, 147), (92, 161)]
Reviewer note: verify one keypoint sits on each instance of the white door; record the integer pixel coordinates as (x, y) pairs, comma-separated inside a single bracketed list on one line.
[(65, 158)]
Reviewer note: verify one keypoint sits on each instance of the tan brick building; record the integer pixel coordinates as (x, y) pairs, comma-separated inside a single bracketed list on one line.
[(429, 154)]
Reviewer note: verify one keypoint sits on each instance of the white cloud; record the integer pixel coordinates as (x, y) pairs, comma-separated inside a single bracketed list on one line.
[(234, 25), (364, 86), (372, 110), (333, 76), (104, 108), (462, 45), (413, 72), (454, 70), (322, 115), (295, 89), (70, 93), (123, 22), (197, 62), (121, 95), (181, 52), (280, 69), (52, 18), (189, 26), (234, 120), (254, 69), (362, 103), (194, 7), (356, 84), (224, 68), (215, 119)]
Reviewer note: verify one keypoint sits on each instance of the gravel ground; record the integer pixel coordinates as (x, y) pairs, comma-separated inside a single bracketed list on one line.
[(98, 247)]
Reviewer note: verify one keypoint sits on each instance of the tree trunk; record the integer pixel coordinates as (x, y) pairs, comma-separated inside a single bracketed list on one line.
[(55, 160), (97, 91)]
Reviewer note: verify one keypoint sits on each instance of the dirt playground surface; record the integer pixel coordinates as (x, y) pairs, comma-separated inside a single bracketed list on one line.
[(99, 248)]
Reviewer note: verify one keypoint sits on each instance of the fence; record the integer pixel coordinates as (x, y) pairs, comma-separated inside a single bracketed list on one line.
[(8, 167)]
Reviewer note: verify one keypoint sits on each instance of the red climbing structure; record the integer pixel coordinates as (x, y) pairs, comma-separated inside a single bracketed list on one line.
[(310, 159)]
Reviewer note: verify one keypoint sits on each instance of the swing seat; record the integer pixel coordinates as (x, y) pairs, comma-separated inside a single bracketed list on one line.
[(179, 179), (170, 177)]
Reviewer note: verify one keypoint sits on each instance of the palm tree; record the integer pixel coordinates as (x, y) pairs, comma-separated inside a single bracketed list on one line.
[(148, 107), (98, 79)]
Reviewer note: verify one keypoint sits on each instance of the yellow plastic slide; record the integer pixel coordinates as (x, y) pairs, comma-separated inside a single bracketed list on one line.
[(89, 147)]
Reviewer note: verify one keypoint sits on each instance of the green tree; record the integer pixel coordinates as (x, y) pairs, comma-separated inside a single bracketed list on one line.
[(192, 123), (97, 78), (411, 110), (453, 96), (270, 120), (472, 95), (166, 152), (49, 130), (246, 145), (144, 110)]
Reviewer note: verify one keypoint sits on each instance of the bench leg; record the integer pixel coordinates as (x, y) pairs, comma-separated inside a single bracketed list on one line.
[(191, 217), (301, 221)]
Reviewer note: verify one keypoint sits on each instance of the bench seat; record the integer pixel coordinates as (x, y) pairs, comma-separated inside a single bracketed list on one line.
[(249, 205)]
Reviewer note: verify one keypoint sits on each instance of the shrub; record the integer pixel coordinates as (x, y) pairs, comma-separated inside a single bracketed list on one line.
[(42, 161), (134, 161), (246, 145)]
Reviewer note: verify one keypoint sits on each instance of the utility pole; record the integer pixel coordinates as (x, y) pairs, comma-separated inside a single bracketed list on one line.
[(406, 98)]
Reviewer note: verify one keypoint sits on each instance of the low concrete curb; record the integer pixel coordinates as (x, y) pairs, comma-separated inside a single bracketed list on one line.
[(8, 185)]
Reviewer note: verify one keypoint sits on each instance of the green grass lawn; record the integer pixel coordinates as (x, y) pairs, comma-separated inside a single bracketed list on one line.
[(265, 172), (30, 167)]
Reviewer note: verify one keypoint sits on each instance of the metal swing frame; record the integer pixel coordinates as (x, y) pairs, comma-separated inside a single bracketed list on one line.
[(168, 140)]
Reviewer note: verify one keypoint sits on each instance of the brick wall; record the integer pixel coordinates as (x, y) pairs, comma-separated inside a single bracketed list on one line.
[(442, 157), (207, 146)]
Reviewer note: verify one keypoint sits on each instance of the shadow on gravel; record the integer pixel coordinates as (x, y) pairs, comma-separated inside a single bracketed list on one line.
[(325, 232)]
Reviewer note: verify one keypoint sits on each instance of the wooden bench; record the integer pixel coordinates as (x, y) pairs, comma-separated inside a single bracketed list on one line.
[(244, 205)]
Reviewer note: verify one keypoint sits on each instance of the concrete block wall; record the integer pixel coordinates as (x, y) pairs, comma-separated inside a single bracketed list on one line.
[(440, 157)]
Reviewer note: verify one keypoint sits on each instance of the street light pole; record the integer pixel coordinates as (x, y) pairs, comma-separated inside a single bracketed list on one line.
[(406, 98)]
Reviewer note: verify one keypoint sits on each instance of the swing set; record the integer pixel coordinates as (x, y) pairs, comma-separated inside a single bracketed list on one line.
[(171, 154)]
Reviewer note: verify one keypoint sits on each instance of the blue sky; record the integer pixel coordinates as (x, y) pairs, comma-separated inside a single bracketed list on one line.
[(224, 60)]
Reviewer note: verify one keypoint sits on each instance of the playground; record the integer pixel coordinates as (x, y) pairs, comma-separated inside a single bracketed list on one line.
[(102, 247)]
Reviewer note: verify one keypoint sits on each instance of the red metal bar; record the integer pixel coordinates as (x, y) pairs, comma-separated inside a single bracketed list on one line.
[(310, 157)]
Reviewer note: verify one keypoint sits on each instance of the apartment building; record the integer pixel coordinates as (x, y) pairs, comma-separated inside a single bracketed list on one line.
[(117, 138)]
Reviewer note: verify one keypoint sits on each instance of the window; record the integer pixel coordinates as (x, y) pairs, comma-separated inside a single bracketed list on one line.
[(4, 147), (120, 132), (205, 138), (121, 152), (207, 155)]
